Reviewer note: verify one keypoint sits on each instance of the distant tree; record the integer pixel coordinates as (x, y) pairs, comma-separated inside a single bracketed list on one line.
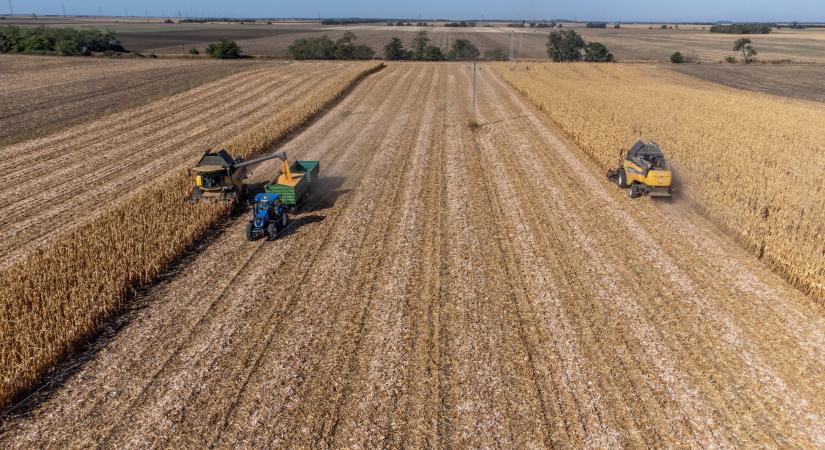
[(194, 51), (224, 50), (400, 23), (62, 41), (463, 49), (565, 46), (744, 45), (596, 25), (394, 50), (677, 58), (312, 48), (495, 54), (597, 52), (617, 26), (325, 48), (419, 45), (730, 59), (433, 53)]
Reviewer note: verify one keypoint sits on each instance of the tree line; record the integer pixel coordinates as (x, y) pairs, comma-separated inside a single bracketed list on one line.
[(569, 46), (58, 41), (742, 28)]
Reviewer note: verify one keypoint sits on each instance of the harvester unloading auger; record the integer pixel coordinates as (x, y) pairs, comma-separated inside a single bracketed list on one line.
[(219, 176)]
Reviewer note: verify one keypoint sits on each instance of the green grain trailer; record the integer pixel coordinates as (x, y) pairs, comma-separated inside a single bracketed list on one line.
[(294, 183)]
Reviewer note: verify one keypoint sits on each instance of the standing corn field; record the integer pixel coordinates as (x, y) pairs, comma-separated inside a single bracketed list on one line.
[(753, 163)]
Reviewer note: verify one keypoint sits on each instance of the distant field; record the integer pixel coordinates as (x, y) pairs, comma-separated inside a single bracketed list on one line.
[(806, 81), (39, 95), (631, 42)]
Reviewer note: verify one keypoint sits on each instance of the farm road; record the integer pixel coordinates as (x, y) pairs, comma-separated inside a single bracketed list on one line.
[(455, 289)]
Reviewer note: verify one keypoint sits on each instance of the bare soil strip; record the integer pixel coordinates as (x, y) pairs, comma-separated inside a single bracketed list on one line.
[(456, 289), (42, 95)]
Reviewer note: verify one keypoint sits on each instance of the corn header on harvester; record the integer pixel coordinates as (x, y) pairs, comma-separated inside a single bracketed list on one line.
[(644, 170)]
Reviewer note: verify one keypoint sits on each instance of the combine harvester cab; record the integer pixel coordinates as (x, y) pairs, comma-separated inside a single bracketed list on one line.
[(217, 178), (294, 182), (644, 170)]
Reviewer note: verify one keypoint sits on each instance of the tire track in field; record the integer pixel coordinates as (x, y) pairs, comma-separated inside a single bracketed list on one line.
[(465, 290), (333, 297), (605, 271), (537, 216), (700, 316), (176, 386), (236, 377), (166, 333), (376, 364)]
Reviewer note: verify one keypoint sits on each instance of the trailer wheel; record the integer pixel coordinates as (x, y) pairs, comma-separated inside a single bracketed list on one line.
[(621, 179), (250, 236), (634, 190), (284, 221)]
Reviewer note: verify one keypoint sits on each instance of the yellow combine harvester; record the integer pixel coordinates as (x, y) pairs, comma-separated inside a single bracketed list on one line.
[(220, 177), (645, 170)]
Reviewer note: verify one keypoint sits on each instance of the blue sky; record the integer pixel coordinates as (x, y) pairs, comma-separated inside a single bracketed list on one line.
[(626, 10)]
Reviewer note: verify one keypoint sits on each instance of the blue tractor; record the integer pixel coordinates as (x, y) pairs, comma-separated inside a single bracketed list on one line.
[(268, 216)]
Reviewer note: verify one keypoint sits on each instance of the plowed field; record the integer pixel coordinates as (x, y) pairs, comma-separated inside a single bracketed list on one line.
[(41, 95), (452, 288), (66, 178)]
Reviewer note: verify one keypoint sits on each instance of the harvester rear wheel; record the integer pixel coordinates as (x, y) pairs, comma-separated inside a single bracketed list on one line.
[(634, 190), (621, 179)]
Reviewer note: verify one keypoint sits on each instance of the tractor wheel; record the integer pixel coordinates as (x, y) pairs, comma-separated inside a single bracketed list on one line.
[(249, 235), (621, 179), (272, 231), (634, 190), (284, 221)]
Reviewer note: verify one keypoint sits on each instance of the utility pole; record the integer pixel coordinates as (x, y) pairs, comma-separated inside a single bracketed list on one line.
[(474, 92), (125, 12), (99, 11), (511, 46), (11, 8), (63, 5)]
